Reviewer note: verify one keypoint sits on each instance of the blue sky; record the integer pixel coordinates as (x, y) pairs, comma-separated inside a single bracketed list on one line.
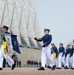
[(58, 16)]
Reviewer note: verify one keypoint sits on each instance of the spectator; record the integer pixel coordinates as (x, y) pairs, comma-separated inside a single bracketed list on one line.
[(19, 63), (14, 55), (16, 61), (39, 64)]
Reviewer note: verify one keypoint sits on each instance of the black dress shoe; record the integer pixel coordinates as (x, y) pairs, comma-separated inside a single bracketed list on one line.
[(53, 68), (13, 66), (49, 67), (41, 68), (0, 68), (72, 68), (66, 67), (58, 68)]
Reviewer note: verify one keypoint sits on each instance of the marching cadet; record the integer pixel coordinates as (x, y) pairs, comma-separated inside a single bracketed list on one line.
[(72, 57), (61, 56), (54, 52), (3, 50), (67, 57), (46, 49)]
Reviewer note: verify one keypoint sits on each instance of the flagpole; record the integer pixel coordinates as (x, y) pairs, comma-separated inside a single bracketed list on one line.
[(30, 37), (21, 36)]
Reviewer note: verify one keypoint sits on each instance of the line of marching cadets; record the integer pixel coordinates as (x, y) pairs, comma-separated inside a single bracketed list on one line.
[(58, 57), (62, 57)]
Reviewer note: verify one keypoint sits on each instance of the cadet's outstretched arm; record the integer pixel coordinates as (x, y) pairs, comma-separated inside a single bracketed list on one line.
[(40, 39)]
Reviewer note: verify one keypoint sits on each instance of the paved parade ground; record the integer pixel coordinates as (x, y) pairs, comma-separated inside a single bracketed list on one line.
[(34, 71)]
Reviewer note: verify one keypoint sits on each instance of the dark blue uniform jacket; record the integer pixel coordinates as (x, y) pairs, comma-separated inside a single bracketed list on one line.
[(62, 50), (54, 49), (68, 51), (47, 39)]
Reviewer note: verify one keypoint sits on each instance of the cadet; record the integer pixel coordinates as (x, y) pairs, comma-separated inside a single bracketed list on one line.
[(61, 56), (72, 58), (54, 53), (3, 53), (67, 57), (46, 49)]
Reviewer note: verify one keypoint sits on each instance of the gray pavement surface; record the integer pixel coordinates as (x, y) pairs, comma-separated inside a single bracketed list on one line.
[(34, 71)]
